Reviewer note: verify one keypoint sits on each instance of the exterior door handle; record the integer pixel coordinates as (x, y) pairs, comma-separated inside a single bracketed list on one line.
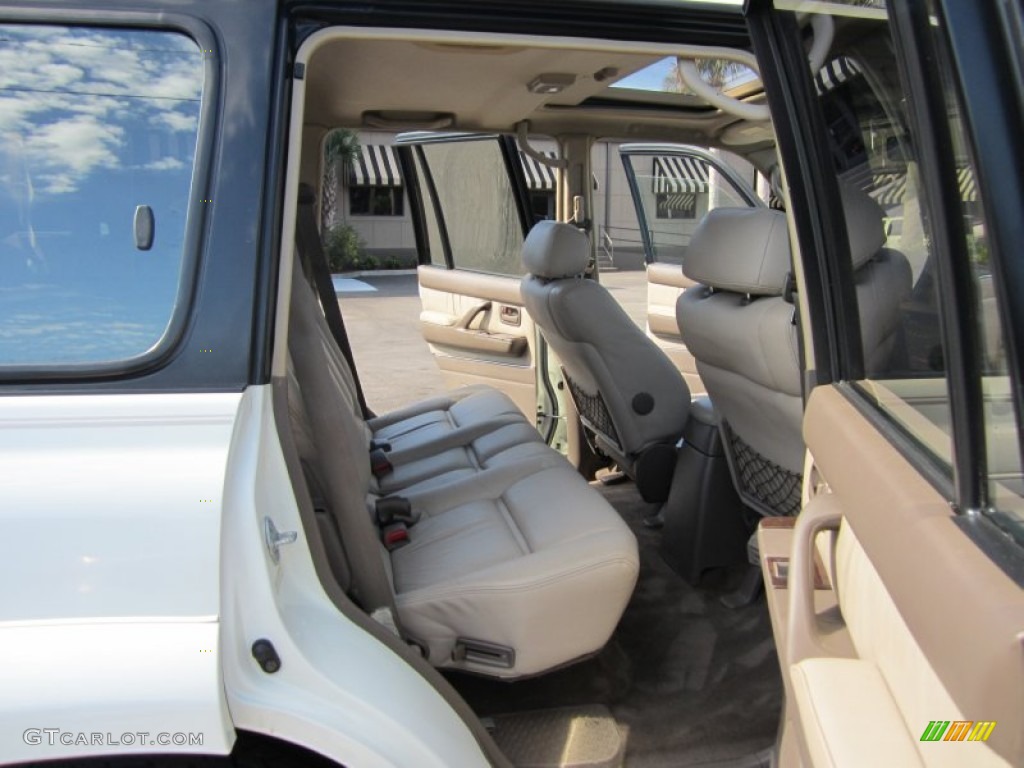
[(275, 539)]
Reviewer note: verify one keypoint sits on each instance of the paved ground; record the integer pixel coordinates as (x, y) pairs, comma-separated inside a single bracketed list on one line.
[(394, 362)]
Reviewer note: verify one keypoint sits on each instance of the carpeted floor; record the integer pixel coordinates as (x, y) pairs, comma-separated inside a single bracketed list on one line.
[(693, 683)]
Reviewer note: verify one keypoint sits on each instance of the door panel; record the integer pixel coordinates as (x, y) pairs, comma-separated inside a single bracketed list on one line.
[(903, 570), (471, 222), (479, 332), (673, 186), (665, 284)]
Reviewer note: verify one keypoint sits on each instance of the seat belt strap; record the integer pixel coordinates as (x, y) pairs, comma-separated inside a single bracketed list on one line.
[(312, 253)]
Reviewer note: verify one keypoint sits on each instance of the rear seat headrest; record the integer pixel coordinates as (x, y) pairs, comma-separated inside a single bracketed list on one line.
[(743, 250), (553, 250), (864, 224)]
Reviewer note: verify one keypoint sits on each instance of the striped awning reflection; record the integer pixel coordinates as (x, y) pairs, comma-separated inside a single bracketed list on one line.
[(539, 177), (679, 175), (965, 180), (835, 73), (377, 166), (890, 188)]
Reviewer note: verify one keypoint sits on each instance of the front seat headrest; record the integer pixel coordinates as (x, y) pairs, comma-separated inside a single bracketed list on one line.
[(554, 250), (743, 250), (864, 224)]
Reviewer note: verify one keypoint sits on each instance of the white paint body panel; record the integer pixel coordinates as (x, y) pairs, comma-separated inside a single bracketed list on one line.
[(111, 509), (113, 503), (111, 688), (137, 580)]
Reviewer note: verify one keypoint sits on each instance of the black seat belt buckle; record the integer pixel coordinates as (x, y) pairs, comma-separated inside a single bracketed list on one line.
[(380, 465), (394, 536), (380, 445), (392, 509)]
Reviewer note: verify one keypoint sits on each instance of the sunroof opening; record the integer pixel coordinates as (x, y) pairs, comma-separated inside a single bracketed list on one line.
[(663, 76)]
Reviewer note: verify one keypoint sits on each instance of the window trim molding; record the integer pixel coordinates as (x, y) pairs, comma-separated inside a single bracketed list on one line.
[(919, 62), (201, 180), (413, 157)]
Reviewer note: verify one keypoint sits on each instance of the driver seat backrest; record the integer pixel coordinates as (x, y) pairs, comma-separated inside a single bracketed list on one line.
[(626, 390)]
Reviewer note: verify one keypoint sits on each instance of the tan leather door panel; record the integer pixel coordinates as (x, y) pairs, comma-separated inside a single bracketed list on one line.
[(479, 332), (665, 283), (935, 626)]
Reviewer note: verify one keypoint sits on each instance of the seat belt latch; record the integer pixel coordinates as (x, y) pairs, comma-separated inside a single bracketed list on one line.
[(380, 465), (394, 536), (395, 509), (380, 445)]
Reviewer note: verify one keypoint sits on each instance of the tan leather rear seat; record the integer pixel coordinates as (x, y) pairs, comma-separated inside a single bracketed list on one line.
[(515, 565)]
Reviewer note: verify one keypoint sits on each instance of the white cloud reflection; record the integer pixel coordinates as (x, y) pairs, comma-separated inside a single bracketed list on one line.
[(93, 122), (67, 98)]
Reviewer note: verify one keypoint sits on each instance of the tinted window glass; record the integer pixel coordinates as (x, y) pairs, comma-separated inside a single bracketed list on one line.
[(875, 159), (477, 202), (95, 122)]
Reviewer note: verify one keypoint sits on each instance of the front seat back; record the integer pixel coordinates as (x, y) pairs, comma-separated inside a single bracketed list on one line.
[(741, 332), (628, 393)]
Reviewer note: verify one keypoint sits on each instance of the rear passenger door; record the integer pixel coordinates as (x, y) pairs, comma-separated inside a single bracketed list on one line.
[(470, 217), (673, 186), (916, 452)]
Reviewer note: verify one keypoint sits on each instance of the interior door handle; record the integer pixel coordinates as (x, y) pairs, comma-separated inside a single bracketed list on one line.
[(471, 314), (822, 513), (511, 315)]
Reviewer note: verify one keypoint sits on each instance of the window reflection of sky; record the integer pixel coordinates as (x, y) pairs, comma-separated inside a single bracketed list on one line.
[(92, 123)]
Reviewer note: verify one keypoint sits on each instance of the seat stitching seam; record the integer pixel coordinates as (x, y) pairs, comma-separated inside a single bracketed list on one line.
[(513, 526)]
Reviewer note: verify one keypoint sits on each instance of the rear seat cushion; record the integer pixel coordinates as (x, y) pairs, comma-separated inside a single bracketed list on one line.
[(514, 443), (537, 562)]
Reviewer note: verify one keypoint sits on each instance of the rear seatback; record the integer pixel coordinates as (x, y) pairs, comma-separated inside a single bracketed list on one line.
[(515, 565), (444, 437)]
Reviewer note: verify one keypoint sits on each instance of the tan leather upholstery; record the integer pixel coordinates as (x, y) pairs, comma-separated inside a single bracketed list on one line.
[(744, 340), (512, 547), (938, 621), (742, 250), (533, 560), (849, 718), (626, 389), (554, 251), (741, 329)]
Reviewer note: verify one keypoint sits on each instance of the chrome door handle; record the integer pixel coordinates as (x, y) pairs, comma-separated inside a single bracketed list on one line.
[(274, 539)]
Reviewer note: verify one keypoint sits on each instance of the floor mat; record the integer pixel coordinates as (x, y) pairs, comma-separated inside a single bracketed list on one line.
[(693, 683), (567, 737)]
